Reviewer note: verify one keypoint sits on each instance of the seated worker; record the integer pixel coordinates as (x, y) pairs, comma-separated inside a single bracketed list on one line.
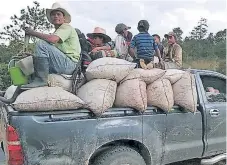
[(102, 44), (121, 44), (55, 53), (157, 39), (173, 54), (145, 46)]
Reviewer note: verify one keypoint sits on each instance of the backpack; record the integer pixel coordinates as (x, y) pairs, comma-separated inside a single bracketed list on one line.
[(85, 46)]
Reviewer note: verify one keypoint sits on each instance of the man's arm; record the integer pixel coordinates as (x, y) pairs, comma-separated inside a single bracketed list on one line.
[(106, 47), (157, 51), (132, 48), (47, 37), (158, 54), (178, 56), (132, 52)]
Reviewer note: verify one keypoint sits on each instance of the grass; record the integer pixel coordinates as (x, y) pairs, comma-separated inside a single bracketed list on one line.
[(202, 64), (206, 64)]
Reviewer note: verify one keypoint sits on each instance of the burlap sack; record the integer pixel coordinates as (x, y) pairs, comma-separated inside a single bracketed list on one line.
[(132, 93), (160, 94), (56, 80), (109, 68), (98, 94), (10, 91), (47, 99), (148, 76), (171, 65), (173, 75), (185, 93)]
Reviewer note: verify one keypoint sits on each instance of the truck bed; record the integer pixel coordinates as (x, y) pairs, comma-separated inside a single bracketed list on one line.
[(59, 134)]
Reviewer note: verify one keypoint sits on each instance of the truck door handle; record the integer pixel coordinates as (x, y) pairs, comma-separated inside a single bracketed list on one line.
[(214, 113)]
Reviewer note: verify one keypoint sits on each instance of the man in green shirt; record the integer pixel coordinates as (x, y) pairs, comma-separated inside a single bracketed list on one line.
[(55, 53)]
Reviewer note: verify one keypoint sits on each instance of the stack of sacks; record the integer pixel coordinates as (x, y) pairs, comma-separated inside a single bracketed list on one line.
[(103, 75), (114, 82), (132, 89), (175, 87), (160, 92), (47, 99), (159, 88)]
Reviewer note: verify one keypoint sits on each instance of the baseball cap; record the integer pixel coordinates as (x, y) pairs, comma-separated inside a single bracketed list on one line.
[(170, 34), (120, 27)]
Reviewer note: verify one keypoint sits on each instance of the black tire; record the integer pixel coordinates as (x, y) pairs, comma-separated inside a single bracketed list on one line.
[(119, 155)]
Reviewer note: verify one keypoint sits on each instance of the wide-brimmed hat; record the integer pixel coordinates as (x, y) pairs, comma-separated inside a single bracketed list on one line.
[(170, 34), (98, 31), (57, 6), (120, 27)]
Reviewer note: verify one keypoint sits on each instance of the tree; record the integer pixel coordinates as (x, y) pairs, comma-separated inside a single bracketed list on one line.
[(200, 31), (4, 76), (220, 36), (210, 38), (33, 17), (178, 33)]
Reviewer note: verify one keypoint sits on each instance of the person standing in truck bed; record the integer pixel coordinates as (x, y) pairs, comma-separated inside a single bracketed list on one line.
[(145, 46)]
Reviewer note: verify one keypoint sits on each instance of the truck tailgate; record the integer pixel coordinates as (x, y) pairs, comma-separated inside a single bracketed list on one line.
[(3, 123)]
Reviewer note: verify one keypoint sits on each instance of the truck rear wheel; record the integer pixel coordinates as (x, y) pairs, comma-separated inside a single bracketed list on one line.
[(120, 155)]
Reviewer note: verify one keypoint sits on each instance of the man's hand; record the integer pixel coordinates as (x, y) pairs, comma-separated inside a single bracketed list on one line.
[(95, 50), (28, 31)]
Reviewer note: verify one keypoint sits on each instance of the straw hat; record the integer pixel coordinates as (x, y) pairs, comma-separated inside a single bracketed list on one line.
[(57, 6), (99, 32)]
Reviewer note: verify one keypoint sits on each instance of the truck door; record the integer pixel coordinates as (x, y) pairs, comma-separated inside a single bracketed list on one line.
[(184, 135), (214, 95)]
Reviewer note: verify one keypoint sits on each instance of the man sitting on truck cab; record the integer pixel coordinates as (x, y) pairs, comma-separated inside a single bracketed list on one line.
[(55, 53)]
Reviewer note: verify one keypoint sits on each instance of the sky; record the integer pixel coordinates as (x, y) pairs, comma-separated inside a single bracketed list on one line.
[(163, 15)]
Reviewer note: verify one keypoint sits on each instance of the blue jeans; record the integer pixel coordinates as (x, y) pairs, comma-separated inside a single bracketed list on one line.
[(59, 63)]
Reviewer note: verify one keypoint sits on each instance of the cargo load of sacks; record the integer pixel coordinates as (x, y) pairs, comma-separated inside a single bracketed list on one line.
[(112, 82)]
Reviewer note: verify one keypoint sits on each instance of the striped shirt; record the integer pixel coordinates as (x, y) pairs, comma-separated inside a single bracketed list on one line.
[(145, 45)]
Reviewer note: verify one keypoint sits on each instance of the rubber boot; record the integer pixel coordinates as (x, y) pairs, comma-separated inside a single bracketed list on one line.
[(41, 65)]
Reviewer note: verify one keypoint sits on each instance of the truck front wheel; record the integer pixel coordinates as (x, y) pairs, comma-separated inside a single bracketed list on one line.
[(120, 155)]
